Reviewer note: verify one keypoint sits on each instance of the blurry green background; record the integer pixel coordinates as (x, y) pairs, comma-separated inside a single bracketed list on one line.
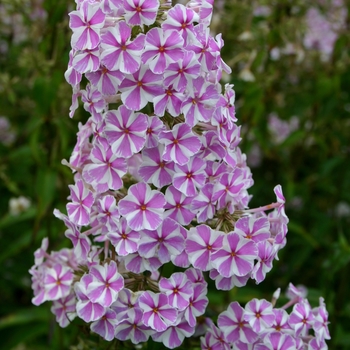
[(292, 83)]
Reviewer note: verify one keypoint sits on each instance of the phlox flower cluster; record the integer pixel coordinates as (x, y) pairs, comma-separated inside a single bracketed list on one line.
[(158, 177), (262, 326)]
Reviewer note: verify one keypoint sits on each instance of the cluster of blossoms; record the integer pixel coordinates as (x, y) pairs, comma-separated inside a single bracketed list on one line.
[(261, 326), (159, 177)]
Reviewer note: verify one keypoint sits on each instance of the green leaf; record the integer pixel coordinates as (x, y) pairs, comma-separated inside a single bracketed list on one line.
[(25, 316)]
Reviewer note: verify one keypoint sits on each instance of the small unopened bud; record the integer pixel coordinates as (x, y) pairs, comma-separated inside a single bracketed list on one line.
[(275, 296)]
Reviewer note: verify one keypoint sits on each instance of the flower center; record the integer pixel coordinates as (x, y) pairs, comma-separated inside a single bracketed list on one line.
[(138, 9), (143, 207), (161, 49)]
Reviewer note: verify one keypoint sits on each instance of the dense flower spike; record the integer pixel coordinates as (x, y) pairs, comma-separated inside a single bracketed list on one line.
[(159, 178)]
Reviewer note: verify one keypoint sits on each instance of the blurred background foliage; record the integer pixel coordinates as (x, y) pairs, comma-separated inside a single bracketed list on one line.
[(290, 66)]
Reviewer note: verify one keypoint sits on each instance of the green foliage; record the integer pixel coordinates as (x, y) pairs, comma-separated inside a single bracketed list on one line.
[(312, 163)]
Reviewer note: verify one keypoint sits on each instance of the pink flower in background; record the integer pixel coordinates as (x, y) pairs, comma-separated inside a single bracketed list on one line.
[(281, 129), (204, 204)]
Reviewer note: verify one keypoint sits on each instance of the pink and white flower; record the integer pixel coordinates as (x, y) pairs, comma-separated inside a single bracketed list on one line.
[(106, 170), (119, 52), (140, 12), (124, 238), (180, 144), (140, 87), (190, 177), (105, 326), (201, 243), (154, 169), (178, 289), (86, 25), (125, 131), (86, 309), (259, 314), (58, 281), (157, 313), (167, 240), (142, 207), (236, 256), (80, 207), (178, 206), (161, 48), (106, 284)]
